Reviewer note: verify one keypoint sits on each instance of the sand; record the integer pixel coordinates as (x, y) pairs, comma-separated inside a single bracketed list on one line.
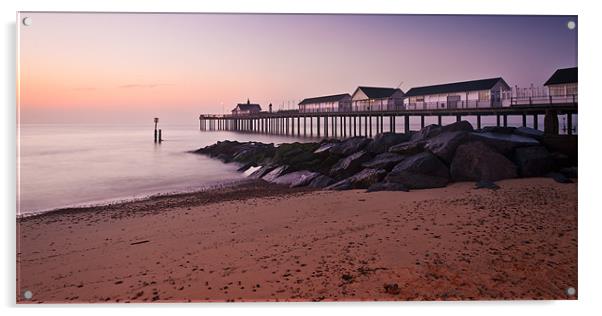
[(265, 243)]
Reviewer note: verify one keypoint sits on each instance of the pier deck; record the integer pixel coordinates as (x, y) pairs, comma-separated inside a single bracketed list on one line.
[(349, 123)]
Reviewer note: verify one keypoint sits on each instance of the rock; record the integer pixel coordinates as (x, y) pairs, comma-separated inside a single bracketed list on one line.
[(259, 173), (460, 126), (387, 186), (294, 153), (383, 161), (426, 132), (485, 184), (321, 181), (296, 179), (349, 165), (408, 148), (444, 145), (392, 288), (476, 161), (529, 132), (367, 177), (382, 142), (533, 161), (569, 172), (228, 151), (246, 166), (275, 173), (498, 129), (250, 171), (350, 146), (420, 171), (504, 143), (341, 185), (559, 177), (325, 147)]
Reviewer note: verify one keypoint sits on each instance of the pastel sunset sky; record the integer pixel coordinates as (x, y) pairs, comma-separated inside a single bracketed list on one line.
[(127, 68)]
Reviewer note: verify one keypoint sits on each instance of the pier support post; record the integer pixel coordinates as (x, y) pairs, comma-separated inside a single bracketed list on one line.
[(304, 126), (354, 126), (298, 126), (371, 126), (569, 124), (318, 125), (439, 120), (550, 124), (366, 125), (393, 124), (458, 118), (478, 122), (497, 119), (535, 121), (406, 124), (505, 120), (421, 121)]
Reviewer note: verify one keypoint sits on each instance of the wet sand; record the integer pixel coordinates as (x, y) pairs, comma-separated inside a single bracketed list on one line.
[(260, 242)]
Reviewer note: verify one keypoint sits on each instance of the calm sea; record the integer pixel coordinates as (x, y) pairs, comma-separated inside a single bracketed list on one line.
[(75, 165)]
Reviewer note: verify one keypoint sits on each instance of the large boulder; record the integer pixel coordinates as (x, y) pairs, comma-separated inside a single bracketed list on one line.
[(498, 129), (529, 132), (349, 165), (296, 179), (533, 161), (444, 145), (367, 177), (262, 171), (350, 146), (293, 154), (408, 148), (321, 181), (326, 145), (382, 142), (475, 161), (387, 186), (426, 132), (344, 184), (459, 126), (420, 171), (504, 143), (383, 161), (247, 152), (275, 173)]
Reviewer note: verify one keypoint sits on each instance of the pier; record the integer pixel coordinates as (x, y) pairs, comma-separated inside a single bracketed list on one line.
[(342, 124)]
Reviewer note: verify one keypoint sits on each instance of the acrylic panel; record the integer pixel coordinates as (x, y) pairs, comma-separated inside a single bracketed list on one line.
[(190, 157)]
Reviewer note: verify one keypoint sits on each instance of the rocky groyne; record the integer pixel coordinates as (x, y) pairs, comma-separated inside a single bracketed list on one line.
[(429, 158)]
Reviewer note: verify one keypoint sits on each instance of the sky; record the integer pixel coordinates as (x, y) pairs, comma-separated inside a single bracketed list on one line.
[(111, 68)]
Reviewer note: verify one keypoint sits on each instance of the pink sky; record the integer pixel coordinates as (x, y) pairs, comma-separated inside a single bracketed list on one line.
[(119, 68)]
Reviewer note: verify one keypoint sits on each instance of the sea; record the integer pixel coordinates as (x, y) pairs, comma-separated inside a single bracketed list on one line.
[(72, 165)]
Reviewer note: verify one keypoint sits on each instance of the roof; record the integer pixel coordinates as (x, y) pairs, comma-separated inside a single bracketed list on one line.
[(247, 107), (472, 85), (326, 98), (565, 75), (377, 92)]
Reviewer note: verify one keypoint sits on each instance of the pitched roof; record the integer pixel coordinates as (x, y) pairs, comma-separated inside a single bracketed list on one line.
[(472, 85), (247, 107), (560, 76), (326, 98), (377, 92)]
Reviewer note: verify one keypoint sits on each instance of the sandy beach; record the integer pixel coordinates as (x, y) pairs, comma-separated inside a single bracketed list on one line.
[(262, 242)]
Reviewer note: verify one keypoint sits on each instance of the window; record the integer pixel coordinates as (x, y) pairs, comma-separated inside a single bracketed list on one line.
[(420, 99), (571, 89), (484, 95)]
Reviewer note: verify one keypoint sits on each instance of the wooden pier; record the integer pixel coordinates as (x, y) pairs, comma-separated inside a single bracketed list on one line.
[(368, 123)]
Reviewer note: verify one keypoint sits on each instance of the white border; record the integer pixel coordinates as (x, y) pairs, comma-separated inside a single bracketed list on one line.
[(590, 116)]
